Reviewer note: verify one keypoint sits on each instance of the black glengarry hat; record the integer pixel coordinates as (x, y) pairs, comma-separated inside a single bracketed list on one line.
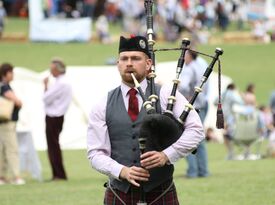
[(135, 43)]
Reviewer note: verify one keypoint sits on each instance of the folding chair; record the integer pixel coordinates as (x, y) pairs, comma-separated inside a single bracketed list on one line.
[(246, 134)]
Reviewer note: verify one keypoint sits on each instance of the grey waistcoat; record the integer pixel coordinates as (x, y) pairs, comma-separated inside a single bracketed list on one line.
[(124, 141)]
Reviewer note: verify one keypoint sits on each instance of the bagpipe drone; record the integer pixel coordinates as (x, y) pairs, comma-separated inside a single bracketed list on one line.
[(160, 130)]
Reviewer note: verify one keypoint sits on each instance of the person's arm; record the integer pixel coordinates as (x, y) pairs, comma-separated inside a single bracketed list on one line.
[(53, 92), (98, 142), (192, 135), (9, 94), (188, 141), (272, 101), (237, 98), (99, 149), (185, 80)]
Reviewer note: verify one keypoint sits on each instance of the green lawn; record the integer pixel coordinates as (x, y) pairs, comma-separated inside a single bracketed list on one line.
[(230, 183), (16, 25), (244, 63)]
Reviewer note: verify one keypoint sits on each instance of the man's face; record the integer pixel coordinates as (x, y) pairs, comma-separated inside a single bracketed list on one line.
[(135, 62), (9, 76), (54, 70), (188, 58)]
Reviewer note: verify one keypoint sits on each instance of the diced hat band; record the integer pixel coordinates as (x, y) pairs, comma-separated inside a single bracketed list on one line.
[(136, 43)]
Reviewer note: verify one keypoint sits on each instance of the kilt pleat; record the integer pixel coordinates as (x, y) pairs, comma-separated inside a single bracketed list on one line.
[(133, 196)]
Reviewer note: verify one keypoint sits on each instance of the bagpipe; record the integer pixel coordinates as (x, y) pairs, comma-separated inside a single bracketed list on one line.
[(160, 130)]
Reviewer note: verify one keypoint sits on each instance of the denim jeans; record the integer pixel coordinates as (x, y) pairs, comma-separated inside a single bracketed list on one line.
[(198, 163)]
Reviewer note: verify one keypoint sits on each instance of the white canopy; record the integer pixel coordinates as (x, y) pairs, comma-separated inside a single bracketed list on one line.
[(89, 84), (54, 29)]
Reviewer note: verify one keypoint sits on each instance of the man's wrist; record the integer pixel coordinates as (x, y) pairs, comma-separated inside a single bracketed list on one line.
[(122, 174), (166, 159)]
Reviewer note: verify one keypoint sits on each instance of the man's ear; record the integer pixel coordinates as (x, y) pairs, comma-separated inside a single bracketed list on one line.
[(148, 64)]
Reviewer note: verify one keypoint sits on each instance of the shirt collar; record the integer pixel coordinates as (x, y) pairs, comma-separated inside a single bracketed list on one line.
[(60, 76), (125, 88)]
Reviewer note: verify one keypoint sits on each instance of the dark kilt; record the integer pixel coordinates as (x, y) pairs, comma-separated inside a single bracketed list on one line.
[(133, 196)]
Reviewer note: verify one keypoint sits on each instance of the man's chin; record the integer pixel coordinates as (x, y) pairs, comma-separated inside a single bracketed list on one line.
[(128, 78)]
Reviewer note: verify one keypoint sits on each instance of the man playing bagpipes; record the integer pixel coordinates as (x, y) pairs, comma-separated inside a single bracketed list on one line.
[(113, 134)]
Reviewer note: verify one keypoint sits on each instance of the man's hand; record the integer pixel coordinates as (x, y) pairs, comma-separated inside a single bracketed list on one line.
[(46, 82), (134, 174), (153, 159)]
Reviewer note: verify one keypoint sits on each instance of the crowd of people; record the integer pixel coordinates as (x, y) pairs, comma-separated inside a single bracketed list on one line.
[(56, 98), (259, 119), (3, 15), (172, 17)]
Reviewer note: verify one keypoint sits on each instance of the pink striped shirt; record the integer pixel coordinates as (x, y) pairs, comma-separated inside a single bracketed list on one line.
[(98, 141)]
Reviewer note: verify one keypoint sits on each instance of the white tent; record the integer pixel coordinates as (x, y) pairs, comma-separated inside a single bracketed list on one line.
[(54, 29), (89, 84)]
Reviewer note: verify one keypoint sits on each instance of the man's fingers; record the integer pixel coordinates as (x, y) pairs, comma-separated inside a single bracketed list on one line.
[(150, 162), (137, 174), (153, 159), (139, 171), (153, 165), (138, 178), (147, 160), (134, 183), (147, 154)]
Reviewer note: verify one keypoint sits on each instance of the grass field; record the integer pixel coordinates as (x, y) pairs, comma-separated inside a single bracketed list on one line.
[(244, 63), (230, 183)]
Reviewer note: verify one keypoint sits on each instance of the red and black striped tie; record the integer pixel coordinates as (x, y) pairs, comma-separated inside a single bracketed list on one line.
[(133, 104)]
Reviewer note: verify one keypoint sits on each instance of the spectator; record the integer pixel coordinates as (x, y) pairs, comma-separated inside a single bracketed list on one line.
[(193, 71), (112, 11), (241, 14), (249, 95), (2, 18), (271, 145), (272, 105), (9, 157), (132, 20), (54, 8), (102, 29), (260, 31), (56, 99), (46, 8), (88, 8), (210, 14), (266, 119), (210, 135), (230, 98), (223, 19)]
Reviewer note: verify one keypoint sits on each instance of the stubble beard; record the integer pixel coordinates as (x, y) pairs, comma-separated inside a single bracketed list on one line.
[(127, 78)]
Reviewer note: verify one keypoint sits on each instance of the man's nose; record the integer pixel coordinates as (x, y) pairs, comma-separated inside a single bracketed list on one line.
[(129, 61)]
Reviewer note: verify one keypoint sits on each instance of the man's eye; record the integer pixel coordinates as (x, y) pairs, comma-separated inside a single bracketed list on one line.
[(136, 58)]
